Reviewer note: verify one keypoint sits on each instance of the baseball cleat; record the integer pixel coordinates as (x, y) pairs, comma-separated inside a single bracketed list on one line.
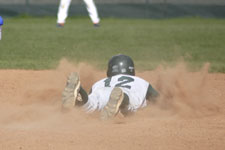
[(71, 92), (60, 25), (96, 25), (113, 105)]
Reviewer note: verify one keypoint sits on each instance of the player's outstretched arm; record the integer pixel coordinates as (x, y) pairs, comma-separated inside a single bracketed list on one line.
[(152, 94)]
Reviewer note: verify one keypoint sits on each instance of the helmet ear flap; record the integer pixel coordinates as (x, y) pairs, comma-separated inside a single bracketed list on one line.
[(108, 73)]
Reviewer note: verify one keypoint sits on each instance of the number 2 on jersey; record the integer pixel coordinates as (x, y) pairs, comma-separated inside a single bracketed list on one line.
[(123, 80)]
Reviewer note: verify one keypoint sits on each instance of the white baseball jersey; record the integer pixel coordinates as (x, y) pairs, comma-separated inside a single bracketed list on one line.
[(135, 87), (64, 7)]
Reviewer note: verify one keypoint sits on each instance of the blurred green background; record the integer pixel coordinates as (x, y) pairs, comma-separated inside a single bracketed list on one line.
[(36, 43)]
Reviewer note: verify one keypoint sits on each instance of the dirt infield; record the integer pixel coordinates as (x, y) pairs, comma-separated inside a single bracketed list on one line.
[(190, 114)]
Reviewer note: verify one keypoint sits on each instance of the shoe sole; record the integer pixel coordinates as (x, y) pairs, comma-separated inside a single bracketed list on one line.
[(70, 92), (112, 107)]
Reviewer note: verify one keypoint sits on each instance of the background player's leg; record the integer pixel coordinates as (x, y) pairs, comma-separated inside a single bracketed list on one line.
[(92, 10), (63, 11)]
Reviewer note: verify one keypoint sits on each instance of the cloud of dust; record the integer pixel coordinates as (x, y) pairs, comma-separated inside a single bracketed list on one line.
[(88, 73), (36, 100), (182, 93)]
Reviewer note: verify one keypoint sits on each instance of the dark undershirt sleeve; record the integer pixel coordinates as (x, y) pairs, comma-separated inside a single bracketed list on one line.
[(84, 96), (152, 94)]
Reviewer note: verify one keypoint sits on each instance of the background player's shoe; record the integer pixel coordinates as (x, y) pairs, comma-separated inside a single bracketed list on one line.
[(96, 25), (113, 105), (71, 92), (60, 25)]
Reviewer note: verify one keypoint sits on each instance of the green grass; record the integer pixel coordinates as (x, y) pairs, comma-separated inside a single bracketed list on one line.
[(36, 43)]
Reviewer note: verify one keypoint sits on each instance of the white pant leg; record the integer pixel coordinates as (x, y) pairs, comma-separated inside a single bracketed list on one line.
[(92, 10), (98, 99), (134, 101), (63, 11)]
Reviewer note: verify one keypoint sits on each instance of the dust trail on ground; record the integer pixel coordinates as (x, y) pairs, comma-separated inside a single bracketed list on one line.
[(188, 115), (37, 95)]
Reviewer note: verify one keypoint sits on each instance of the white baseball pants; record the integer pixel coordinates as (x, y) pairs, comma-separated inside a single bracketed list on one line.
[(64, 7)]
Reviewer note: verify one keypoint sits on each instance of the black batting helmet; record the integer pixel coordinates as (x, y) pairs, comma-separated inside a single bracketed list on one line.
[(120, 64)]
